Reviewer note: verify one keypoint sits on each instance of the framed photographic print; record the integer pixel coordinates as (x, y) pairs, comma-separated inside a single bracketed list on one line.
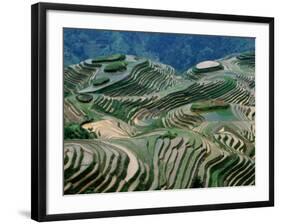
[(139, 111)]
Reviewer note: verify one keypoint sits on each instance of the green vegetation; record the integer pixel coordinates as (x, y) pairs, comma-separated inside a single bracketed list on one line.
[(73, 77), (74, 131), (116, 66), (114, 57), (246, 55), (169, 135), (97, 65), (148, 129), (247, 58), (84, 98), (209, 105), (100, 81), (197, 183)]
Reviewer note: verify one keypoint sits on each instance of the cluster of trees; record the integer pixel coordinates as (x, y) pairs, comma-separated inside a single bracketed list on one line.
[(100, 81), (75, 131), (116, 66), (178, 50)]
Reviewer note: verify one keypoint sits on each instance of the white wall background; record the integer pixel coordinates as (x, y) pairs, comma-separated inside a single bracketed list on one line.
[(15, 110)]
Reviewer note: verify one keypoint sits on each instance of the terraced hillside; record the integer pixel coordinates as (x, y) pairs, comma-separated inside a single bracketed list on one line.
[(132, 124)]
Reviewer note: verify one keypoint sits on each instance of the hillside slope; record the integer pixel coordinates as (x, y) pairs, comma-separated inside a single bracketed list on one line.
[(149, 129)]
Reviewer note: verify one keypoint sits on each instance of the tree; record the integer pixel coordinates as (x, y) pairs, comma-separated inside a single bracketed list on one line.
[(197, 183), (75, 131)]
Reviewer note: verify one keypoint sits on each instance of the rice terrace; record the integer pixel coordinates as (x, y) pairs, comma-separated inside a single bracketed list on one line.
[(134, 122)]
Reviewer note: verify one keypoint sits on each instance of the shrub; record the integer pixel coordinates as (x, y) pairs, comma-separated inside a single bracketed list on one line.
[(116, 66), (247, 56), (209, 105), (169, 135), (84, 98), (197, 183), (100, 81), (96, 65), (66, 93), (114, 57), (75, 131)]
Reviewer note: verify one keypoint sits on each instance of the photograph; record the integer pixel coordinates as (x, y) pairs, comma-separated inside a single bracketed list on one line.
[(139, 111), (147, 111), (133, 112)]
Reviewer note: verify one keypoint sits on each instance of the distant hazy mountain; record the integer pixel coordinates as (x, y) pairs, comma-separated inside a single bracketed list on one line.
[(180, 51)]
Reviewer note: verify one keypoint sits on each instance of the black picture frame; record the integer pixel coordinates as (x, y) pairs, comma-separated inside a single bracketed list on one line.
[(38, 108)]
